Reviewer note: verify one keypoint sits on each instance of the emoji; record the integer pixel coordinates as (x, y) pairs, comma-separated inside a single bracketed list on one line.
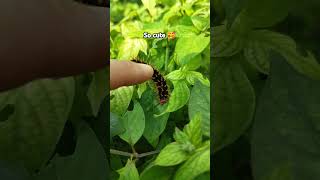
[(171, 35)]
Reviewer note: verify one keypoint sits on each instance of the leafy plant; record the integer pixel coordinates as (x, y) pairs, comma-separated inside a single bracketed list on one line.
[(143, 128), (265, 72)]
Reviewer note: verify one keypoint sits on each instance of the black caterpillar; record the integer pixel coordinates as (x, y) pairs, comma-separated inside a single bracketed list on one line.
[(160, 82)]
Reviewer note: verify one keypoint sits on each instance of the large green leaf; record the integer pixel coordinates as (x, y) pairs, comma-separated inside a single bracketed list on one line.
[(186, 49), (233, 103), (129, 172), (200, 103), (121, 98), (134, 124), (89, 160), (155, 125), (41, 109), (285, 139), (98, 89)]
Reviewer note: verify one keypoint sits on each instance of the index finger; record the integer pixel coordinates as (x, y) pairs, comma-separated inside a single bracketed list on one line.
[(126, 73)]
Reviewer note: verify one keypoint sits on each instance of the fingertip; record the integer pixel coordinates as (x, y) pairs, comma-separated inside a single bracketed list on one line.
[(146, 70)]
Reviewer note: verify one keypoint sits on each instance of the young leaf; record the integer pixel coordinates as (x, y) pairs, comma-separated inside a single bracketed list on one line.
[(180, 136), (129, 172), (150, 5), (121, 99), (176, 75), (193, 130), (134, 124), (130, 48), (171, 155), (194, 75)]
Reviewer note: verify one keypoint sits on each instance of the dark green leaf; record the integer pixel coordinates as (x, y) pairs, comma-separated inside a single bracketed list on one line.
[(233, 102), (41, 109), (134, 124), (285, 143), (200, 103)]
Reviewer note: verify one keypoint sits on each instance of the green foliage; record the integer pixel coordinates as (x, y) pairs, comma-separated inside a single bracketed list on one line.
[(265, 95), (184, 63)]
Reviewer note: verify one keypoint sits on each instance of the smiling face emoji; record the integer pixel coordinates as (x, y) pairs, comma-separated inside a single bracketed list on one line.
[(171, 35)]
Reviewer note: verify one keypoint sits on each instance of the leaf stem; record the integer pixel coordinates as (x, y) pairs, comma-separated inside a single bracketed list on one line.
[(134, 154)]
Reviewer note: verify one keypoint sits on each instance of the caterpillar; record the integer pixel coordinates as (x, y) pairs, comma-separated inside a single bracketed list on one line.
[(160, 82)]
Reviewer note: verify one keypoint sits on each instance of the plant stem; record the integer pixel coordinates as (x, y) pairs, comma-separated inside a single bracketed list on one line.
[(134, 154), (167, 57)]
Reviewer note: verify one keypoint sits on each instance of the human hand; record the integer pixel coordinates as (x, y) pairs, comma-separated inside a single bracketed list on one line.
[(125, 73)]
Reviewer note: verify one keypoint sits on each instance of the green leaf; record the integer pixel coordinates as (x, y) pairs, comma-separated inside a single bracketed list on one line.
[(98, 90), (266, 13), (203, 176), (129, 172), (200, 103), (121, 99), (234, 102), (201, 23), (193, 130), (184, 31), (130, 48), (176, 75), (186, 49), (180, 136), (141, 89), (197, 61), (31, 133), (232, 8), (179, 96), (226, 42), (151, 6), (257, 54), (132, 29), (157, 172), (194, 166), (134, 124), (286, 46), (89, 160), (286, 126), (193, 75), (154, 125), (115, 125), (171, 155)]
